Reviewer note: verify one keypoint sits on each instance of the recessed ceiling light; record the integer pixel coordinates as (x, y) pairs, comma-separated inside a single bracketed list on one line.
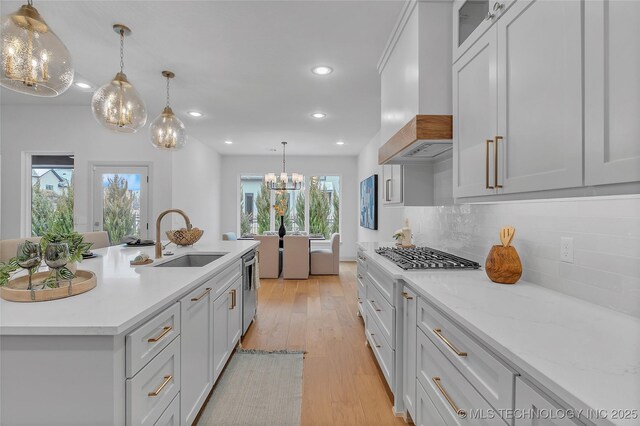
[(83, 85), (228, 142), (318, 115), (322, 70), (339, 143), (195, 113)]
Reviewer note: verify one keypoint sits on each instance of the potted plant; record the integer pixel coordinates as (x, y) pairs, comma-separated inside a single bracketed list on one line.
[(76, 244)]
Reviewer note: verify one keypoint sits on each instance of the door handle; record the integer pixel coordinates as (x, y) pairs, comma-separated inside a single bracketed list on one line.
[(486, 167), (495, 160), (387, 195)]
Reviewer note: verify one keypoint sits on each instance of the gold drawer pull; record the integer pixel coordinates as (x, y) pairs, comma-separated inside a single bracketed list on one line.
[(374, 341), (156, 392), (195, 299), (375, 306), (166, 330), (461, 413), (438, 332), (406, 295), (232, 293)]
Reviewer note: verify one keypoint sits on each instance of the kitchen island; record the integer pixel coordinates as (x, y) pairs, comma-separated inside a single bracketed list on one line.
[(112, 356), (500, 352)]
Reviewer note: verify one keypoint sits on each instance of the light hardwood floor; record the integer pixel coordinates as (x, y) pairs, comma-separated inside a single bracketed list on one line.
[(342, 383)]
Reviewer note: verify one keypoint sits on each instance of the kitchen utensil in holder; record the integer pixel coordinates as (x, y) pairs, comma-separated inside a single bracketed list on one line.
[(503, 264)]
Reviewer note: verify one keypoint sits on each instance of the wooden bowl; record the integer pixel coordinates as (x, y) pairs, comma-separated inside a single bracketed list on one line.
[(503, 265), (185, 237)]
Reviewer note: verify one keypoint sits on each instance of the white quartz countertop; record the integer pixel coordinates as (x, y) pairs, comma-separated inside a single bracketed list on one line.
[(585, 354), (124, 295)]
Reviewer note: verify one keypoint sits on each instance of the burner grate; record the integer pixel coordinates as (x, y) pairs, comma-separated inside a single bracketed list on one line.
[(425, 258)]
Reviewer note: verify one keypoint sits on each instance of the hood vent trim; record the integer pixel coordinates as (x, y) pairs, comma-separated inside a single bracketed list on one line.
[(422, 139)]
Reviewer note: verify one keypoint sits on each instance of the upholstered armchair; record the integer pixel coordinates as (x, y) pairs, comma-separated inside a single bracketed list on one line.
[(327, 261), (269, 255), (9, 248), (98, 239), (295, 257)]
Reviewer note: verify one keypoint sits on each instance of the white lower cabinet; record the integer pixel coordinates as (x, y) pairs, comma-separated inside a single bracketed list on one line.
[(197, 350), (426, 413), (151, 391), (409, 329), (171, 416), (221, 308), (535, 408), (457, 402), (235, 315)]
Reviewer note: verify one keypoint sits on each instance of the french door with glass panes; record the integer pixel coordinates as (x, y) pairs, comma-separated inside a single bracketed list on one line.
[(121, 201)]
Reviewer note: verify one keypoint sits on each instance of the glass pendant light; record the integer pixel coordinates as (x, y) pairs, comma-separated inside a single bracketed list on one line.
[(117, 105), (34, 60), (167, 131)]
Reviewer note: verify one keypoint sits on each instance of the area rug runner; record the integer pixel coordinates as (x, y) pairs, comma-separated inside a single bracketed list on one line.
[(257, 388)]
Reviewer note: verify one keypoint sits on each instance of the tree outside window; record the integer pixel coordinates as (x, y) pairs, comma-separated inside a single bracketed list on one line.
[(51, 194)]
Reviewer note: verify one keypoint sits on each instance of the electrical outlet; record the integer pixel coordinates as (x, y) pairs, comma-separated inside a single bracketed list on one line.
[(566, 249)]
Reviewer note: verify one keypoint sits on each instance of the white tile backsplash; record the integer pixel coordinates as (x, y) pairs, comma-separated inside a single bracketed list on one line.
[(606, 234)]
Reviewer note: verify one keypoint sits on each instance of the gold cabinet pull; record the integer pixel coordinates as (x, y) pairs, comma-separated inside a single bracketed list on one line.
[(374, 341), (406, 295), (156, 392), (375, 306), (495, 160), (438, 332), (232, 293), (454, 407), (486, 167), (235, 300), (166, 330), (195, 299)]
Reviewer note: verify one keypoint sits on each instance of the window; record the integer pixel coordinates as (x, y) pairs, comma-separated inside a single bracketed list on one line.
[(51, 193), (324, 205), (120, 203), (318, 199)]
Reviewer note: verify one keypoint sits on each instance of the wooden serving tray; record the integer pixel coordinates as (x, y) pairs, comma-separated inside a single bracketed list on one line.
[(16, 289)]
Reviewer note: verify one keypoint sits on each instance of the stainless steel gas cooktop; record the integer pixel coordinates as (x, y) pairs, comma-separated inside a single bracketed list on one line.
[(425, 258)]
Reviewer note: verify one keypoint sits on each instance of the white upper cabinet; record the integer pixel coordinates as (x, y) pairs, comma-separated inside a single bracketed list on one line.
[(612, 92), (539, 139), (471, 19), (474, 118)]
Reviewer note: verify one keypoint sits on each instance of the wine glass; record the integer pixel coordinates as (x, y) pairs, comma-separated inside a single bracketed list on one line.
[(56, 256), (29, 257)]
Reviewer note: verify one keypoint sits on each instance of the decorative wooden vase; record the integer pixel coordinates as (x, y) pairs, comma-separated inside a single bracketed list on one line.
[(503, 265)]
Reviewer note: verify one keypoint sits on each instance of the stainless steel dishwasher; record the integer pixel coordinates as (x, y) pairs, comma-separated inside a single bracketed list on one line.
[(249, 291)]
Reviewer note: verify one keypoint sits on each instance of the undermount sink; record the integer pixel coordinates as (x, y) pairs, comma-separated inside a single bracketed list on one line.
[(191, 260)]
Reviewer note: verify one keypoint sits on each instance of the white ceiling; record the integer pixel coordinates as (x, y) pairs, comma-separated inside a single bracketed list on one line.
[(244, 64)]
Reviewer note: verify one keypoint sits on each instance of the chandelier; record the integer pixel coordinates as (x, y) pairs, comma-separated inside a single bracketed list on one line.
[(167, 131), (117, 105), (284, 182), (34, 60)]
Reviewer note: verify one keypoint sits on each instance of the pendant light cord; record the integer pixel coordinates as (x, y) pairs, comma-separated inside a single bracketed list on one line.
[(30, 2), (121, 50), (168, 79), (284, 167)]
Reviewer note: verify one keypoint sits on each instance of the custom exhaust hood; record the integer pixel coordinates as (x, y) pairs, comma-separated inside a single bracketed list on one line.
[(425, 138)]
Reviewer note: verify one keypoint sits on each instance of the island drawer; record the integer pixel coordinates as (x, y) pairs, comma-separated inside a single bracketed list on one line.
[(220, 282), (171, 416), (143, 344), (150, 392), (457, 402), (382, 281), (493, 379), (384, 314), (381, 349)]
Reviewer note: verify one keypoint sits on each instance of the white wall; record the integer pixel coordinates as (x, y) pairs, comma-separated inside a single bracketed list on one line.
[(346, 167), (196, 188), (30, 128)]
